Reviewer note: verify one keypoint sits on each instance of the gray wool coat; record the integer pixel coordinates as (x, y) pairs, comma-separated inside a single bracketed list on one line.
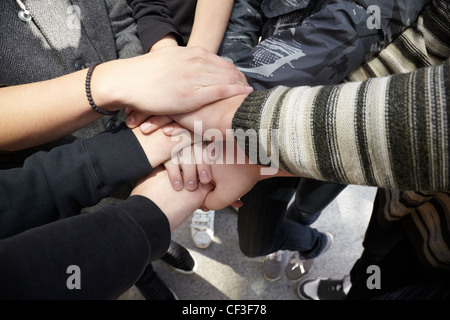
[(64, 36)]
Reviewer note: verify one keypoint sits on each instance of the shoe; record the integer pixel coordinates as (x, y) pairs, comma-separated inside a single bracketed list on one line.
[(298, 266), (155, 289), (329, 242), (202, 228), (274, 264), (323, 289), (180, 258)]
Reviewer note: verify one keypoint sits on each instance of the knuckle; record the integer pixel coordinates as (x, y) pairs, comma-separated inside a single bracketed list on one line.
[(221, 90)]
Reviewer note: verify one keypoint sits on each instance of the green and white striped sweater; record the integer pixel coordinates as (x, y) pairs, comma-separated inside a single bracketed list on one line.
[(386, 126)]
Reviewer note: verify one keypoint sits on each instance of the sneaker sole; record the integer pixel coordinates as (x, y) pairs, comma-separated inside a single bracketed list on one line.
[(331, 240), (270, 279), (300, 291), (174, 295)]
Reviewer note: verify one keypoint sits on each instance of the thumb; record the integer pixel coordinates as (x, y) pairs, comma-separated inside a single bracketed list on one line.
[(218, 198)]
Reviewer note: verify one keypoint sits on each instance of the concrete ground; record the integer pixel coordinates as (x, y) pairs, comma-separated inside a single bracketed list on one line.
[(224, 273)]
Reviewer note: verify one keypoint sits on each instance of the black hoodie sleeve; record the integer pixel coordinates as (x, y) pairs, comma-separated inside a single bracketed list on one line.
[(58, 184), (109, 247), (154, 21), (97, 255)]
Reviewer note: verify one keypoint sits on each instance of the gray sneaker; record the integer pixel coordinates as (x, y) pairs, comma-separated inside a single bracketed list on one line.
[(274, 264), (298, 266), (329, 242)]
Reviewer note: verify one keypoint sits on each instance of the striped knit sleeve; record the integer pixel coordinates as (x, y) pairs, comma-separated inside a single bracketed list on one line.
[(390, 132), (426, 43)]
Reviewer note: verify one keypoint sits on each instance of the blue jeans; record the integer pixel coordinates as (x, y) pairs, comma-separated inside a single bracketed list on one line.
[(265, 226)]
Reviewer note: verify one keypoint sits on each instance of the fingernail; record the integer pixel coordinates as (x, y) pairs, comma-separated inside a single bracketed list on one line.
[(168, 130), (145, 127), (130, 121), (177, 185), (248, 89), (191, 185), (204, 177)]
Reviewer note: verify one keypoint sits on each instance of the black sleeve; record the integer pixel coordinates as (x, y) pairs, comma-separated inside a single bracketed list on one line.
[(98, 255), (57, 184), (154, 21)]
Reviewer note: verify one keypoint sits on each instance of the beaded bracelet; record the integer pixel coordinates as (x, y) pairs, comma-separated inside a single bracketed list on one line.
[(89, 95)]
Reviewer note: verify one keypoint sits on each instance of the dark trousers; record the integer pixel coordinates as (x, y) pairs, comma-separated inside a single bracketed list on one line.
[(402, 276), (266, 226)]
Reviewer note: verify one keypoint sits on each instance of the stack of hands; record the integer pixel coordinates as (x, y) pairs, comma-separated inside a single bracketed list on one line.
[(191, 168), (190, 171)]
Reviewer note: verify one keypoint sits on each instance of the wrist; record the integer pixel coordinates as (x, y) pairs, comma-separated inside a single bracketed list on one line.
[(89, 93), (158, 147), (105, 92), (231, 111), (167, 40)]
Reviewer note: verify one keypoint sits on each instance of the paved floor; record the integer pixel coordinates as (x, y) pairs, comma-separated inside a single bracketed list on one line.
[(224, 273)]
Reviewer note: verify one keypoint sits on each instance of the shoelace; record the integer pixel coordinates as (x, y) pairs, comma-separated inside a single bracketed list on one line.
[(335, 287), (297, 262), (276, 255), (201, 221), (331, 289)]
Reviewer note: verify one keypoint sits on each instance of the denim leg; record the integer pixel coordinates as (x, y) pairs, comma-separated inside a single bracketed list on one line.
[(263, 227), (308, 241), (261, 218), (311, 197)]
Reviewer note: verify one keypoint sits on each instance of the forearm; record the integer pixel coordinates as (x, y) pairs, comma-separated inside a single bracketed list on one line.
[(59, 106), (57, 184), (37, 113), (210, 23), (352, 134), (102, 244)]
